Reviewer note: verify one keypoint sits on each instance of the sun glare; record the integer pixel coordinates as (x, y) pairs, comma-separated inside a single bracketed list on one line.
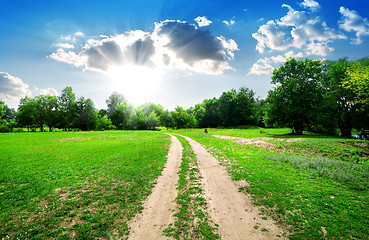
[(136, 83)]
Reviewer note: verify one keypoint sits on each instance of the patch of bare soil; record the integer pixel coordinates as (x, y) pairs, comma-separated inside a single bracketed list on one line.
[(252, 140), (260, 142), (362, 145), (159, 206), (73, 139), (231, 209)]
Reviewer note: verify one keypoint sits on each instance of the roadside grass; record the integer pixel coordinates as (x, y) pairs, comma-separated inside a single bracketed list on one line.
[(350, 150), (81, 185), (191, 220), (310, 196)]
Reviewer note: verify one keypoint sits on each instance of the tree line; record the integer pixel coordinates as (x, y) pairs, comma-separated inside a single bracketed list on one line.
[(314, 95)]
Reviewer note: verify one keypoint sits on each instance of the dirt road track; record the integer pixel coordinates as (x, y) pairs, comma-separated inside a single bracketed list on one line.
[(228, 207), (232, 210), (159, 206)]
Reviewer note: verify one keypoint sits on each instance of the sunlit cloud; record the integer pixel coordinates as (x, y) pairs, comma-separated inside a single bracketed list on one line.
[(352, 21), (79, 34), (296, 29), (313, 5), (229, 23), (45, 91), (172, 44), (267, 65), (66, 38), (203, 21), (318, 49), (68, 57), (12, 88), (198, 49), (300, 31), (63, 45)]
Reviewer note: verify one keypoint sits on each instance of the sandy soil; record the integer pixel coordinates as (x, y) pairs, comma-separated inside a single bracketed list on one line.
[(159, 206), (228, 207), (256, 140)]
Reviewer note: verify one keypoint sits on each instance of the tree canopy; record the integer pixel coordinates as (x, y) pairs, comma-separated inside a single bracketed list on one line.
[(295, 100)]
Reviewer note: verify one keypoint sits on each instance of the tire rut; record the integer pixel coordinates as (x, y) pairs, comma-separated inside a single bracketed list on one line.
[(159, 206), (231, 209)]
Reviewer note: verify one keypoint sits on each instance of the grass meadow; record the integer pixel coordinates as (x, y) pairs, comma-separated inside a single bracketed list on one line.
[(81, 185), (88, 185), (315, 187)]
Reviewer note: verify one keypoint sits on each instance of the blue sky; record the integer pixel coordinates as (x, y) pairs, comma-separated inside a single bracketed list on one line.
[(167, 52)]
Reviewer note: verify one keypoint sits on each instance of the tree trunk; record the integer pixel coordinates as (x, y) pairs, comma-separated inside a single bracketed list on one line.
[(298, 127)]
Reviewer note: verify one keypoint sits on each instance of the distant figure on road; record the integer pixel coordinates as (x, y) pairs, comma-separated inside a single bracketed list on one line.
[(206, 130)]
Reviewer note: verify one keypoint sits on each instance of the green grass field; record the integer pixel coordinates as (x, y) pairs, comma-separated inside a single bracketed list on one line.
[(88, 185), (317, 187), (82, 185)]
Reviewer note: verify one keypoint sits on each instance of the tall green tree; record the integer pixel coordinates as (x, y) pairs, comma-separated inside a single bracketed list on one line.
[(116, 109), (87, 117), (4, 123), (166, 119), (67, 108), (244, 107), (295, 101), (207, 113), (357, 81), (148, 116), (227, 105), (2, 109), (338, 108), (9, 113), (182, 119), (46, 111), (131, 117), (26, 113)]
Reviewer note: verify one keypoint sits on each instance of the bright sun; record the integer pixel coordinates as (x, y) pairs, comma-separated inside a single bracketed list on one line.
[(136, 83)]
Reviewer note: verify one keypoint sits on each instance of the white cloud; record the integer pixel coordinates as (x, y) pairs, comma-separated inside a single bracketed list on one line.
[(301, 31), (310, 4), (266, 65), (48, 91), (66, 38), (262, 66), (12, 88), (63, 45), (319, 49), (297, 29), (172, 44), (193, 46), (352, 21), (79, 34), (67, 57), (73, 37), (229, 23), (203, 21)]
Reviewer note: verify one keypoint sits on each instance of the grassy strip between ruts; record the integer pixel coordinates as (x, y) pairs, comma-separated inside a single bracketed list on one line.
[(191, 220), (80, 185), (311, 197)]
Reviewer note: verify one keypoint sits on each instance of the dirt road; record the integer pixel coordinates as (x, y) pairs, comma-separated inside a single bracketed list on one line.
[(231, 209), (159, 206)]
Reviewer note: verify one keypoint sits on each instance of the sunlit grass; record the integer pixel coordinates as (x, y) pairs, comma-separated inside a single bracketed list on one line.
[(76, 184), (308, 195)]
